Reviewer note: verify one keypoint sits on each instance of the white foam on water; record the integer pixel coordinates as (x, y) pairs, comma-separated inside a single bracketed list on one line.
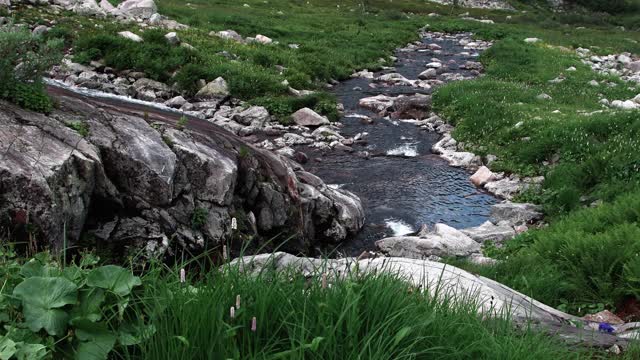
[(335, 186), (407, 150), (104, 95), (398, 227)]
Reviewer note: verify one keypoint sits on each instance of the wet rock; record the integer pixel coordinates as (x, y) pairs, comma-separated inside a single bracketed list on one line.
[(428, 74), (442, 241), (411, 107), (515, 213), (326, 133), (465, 160), (308, 117), (377, 103), (505, 188), (395, 79), (365, 74), (489, 231), (482, 176)]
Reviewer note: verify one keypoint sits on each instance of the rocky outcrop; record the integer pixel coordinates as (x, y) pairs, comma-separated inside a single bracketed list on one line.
[(139, 182)]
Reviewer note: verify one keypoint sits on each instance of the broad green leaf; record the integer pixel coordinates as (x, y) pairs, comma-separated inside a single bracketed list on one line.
[(31, 352), (113, 278), (54, 321), (96, 341), (41, 299), (7, 348), (88, 306), (35, 268)]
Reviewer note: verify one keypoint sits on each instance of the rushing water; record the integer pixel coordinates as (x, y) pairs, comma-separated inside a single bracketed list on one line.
[(406, 185)]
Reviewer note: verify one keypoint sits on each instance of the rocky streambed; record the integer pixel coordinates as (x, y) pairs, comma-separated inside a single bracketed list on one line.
[(389, 149)]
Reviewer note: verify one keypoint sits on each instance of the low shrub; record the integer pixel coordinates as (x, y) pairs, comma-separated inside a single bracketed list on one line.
[(24, 58), (154, 56), (283, 106)]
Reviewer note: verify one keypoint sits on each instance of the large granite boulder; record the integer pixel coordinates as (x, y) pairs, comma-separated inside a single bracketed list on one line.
[(90, 167)]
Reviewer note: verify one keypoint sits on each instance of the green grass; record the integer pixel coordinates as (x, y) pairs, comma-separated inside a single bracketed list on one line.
[(582, 263), (83, 309), (585, 260), (357, 317), (598, 153)]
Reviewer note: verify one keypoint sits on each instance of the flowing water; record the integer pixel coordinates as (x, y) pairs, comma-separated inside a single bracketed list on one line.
[(406, 185), (403, 185)]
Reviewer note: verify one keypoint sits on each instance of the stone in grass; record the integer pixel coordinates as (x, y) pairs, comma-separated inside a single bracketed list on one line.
[(214, 89), (172, 38), (40, 30), (131, 36), (263, 39), (308, 117)]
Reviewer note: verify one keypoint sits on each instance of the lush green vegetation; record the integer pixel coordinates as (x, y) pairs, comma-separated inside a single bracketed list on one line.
[(597, 153), (23, 59), (50, 309), (585, 260), (81, 309)]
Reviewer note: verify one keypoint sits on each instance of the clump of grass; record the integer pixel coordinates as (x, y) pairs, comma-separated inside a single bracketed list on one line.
[(232, 314), (588, 257)]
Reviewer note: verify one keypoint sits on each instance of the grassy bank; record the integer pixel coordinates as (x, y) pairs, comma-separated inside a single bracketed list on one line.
[(585, 260), (85, 310)]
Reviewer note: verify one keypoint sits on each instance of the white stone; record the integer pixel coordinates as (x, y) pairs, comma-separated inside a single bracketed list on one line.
[(138, 8), (131, 36), (263, 39), (308, 117), (442, 241), (172, 38)]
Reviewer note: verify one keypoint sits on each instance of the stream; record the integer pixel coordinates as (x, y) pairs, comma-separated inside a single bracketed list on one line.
[(406, 185), (402, 185)]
